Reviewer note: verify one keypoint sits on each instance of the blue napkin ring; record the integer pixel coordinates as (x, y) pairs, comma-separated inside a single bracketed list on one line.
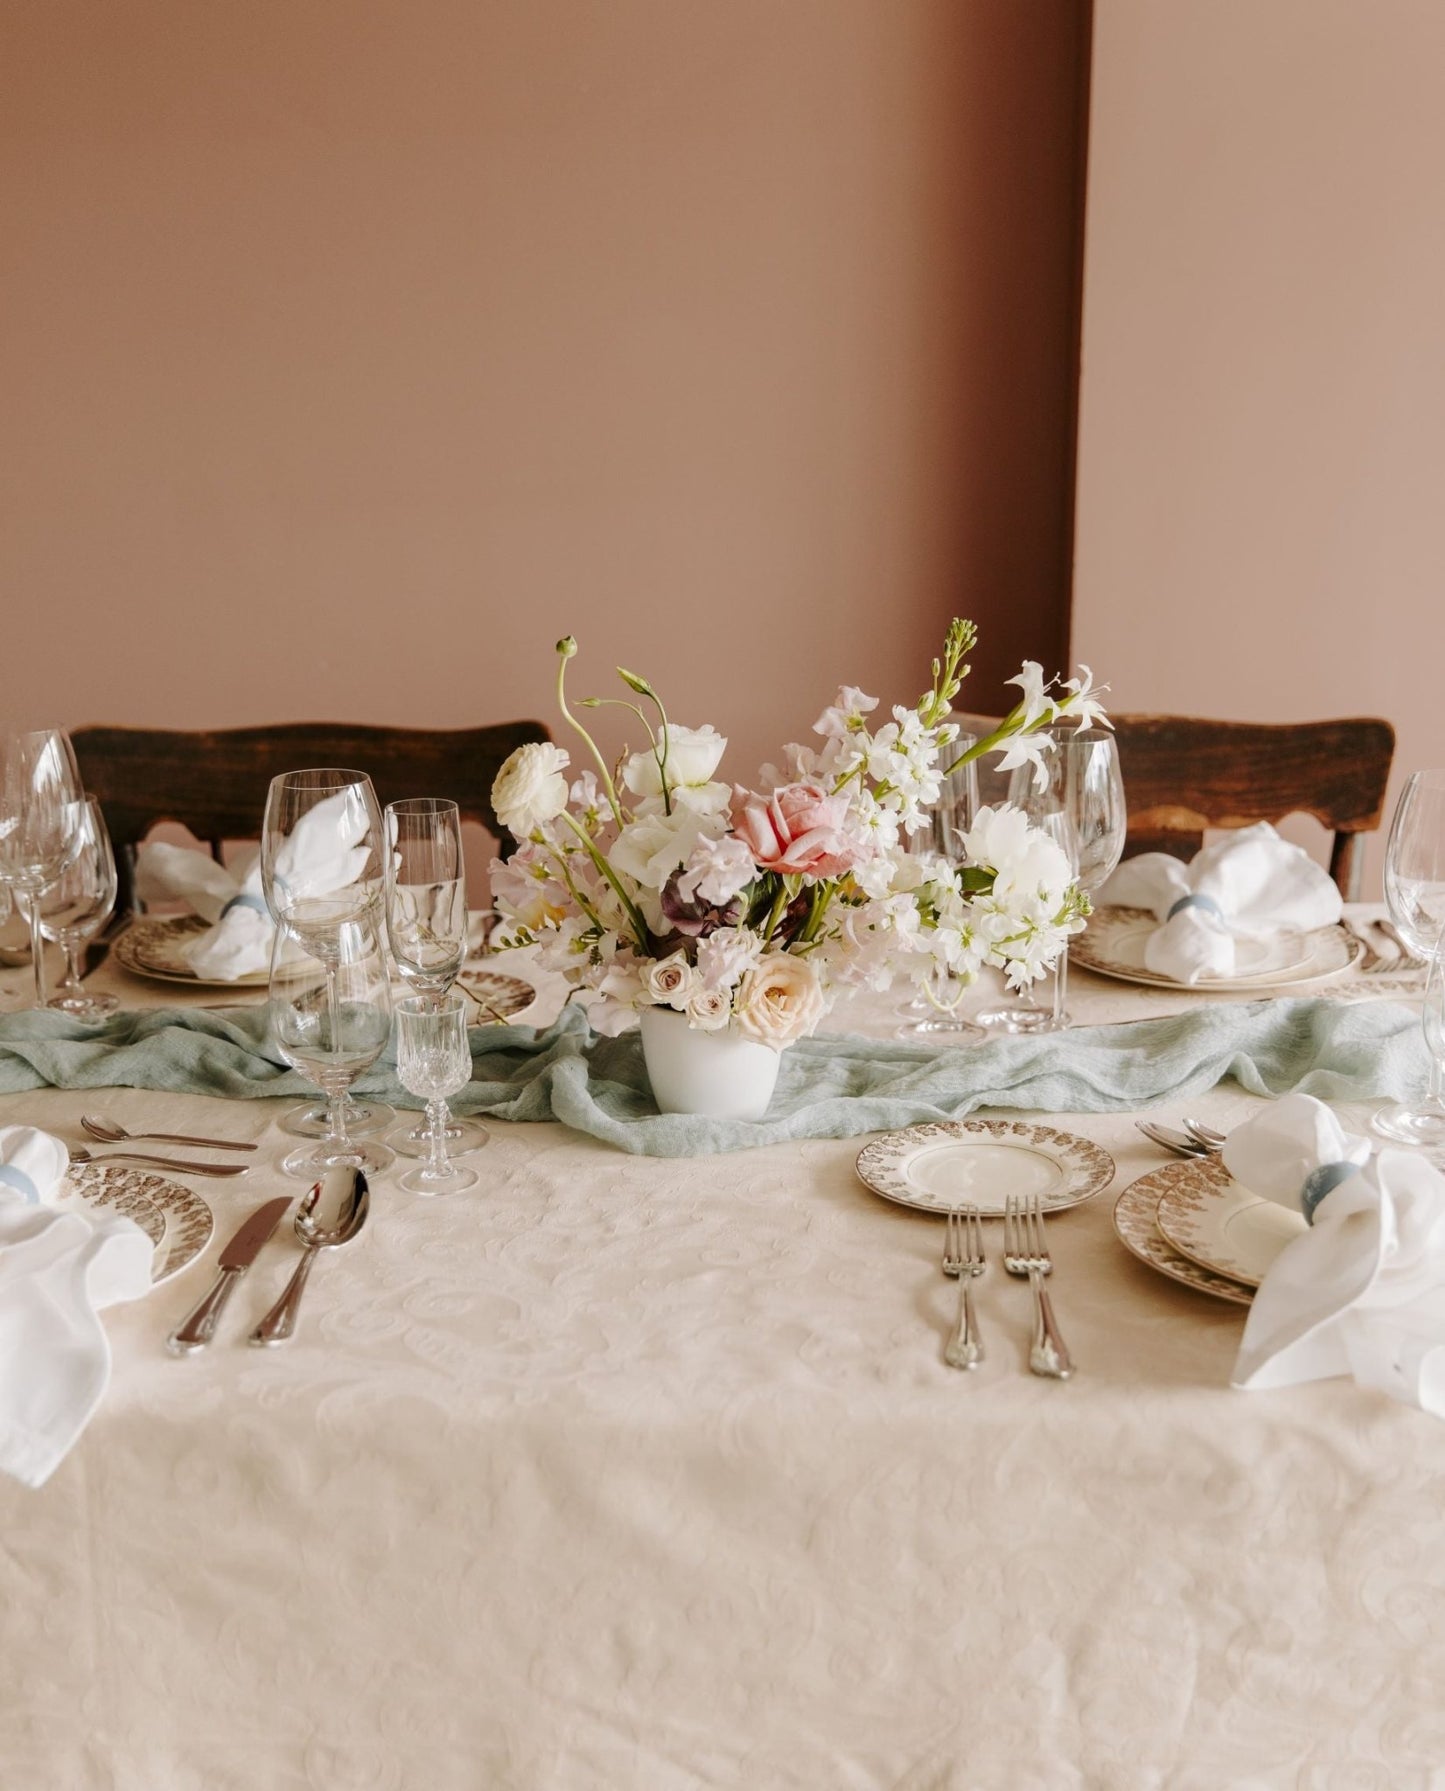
[(245, 900), (11, 1177), (1322, 1181), (1208, 903)]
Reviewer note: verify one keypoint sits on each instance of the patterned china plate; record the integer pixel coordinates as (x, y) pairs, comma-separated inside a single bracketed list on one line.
[(1207, 1216), (1113, 945), (937, 1165), (1136, 1213), (177, 1221), (499, 997), (152, 947)]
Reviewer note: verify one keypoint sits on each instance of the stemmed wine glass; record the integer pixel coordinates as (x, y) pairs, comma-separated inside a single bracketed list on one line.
[(76, 906), (40, 801), (1081, 806), (434, 1060), (331, 1018), (934, 1011), (426, 922), (322, 865), (1415, 895)]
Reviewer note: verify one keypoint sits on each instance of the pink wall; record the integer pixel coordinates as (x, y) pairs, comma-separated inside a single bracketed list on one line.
[(1261, 529), (353, 352)]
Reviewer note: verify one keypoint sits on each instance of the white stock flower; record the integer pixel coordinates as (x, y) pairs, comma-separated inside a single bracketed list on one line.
[(692, 755), (780, 1000), (709, 1010), (670, 981), (530, 789), (846, 714)]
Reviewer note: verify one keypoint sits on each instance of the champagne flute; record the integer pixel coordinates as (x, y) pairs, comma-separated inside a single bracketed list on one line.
[(321, 865), (40, 801), (934, 1011), (426, 922), (1415, 895), (1081, 806), (434, 1060), (331, 1019), (76, 906)]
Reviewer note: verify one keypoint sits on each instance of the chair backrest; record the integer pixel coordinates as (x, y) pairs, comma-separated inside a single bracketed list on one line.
[(215, 783), (1183, 774)]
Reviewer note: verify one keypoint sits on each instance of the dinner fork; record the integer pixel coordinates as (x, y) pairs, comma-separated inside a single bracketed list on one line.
[(1025, 1253), (963, 1257), (174, 1164), (107, 1131)]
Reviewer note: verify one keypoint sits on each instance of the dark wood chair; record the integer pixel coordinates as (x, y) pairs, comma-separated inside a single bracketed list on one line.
[(215, 783), (1183, 774)]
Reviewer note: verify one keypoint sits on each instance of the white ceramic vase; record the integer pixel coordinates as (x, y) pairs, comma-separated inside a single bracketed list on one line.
[(716, 1075)]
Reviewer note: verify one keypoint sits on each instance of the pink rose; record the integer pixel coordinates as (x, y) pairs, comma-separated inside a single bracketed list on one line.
[(799, 830)]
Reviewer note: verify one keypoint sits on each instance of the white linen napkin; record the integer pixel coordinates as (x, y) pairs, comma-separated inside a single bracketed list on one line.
[(1246, 886), (58, 1270), (1362, 1291)]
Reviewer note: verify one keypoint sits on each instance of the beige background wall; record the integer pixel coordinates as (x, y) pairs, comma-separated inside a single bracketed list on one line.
[(354, 352), (1261, 510)]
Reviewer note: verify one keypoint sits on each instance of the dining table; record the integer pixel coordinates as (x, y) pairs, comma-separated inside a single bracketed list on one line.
[(638, 1472)]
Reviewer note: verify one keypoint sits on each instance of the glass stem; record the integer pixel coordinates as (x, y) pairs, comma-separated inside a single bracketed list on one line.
[(336, 1118), (437, 1116), (71, 985), (37, 948), (1061, 984)]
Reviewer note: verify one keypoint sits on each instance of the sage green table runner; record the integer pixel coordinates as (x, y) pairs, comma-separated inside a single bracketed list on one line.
[(829, 1087)]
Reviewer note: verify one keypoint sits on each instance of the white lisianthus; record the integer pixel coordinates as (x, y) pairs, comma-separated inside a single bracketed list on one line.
[(670, 981), (709, 1010), (651, 848), (530, 789), (726, 956), (690, 755), (780, 1000)]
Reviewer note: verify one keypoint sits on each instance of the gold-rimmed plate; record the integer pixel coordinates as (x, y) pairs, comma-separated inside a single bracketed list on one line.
[(154, 947), (940, 1164), (1113, 945), (499, 997), (1209, 1217), (1136, 1214)]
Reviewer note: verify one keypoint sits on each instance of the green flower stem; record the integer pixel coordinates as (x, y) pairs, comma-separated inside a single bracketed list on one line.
[(565, 650), (639, 925), (572, 889)]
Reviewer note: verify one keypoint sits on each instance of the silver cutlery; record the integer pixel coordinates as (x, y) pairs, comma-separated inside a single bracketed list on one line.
[(174, 1164), (108, 1132), (1026, 1254), (1179, 1142), (1208, 1136), (197, 1329), (348, 1197), (963, 1257)]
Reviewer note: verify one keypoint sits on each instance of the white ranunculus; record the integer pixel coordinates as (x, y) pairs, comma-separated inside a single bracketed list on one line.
[(670, 981), (692, 755), (780, 1000), (530, 789), (709, 1010)]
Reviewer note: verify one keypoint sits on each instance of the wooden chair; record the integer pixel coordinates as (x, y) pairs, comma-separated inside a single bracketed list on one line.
[(215, 783), (1183, 774)]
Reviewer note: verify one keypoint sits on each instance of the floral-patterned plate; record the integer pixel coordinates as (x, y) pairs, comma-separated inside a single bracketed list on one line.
[(942, 1163), (1113, 945), (177, 1221), (1136, 1213), (499, 997), (1207, 1216), (153, 947)]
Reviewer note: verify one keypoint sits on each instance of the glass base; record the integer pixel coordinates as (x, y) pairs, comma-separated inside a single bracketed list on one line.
[(935, 1025), (309, 1164), (464, 1138), (1411, 1125), (1021, 1019), (421, 1180), (364, 1119), (87, 1008)]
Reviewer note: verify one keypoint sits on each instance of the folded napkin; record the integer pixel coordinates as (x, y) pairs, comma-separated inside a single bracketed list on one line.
[(324, 853), (1246, 886), (58, 1270), (1362, 1290)]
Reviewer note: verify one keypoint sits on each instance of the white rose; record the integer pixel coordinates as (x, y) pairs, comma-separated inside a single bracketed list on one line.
[(692, 755), (670, 981), (780, 1000), (709, 1010), (649, 850), (530, 789)]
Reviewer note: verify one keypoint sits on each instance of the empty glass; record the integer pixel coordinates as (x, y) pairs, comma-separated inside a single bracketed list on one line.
[(40, 801), (76, 906), (434, 1061), (1415, 893), (331, 1019)]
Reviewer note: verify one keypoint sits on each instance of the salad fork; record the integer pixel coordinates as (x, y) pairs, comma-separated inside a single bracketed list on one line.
[(106, 1131), (1026, 1254), (172, 1163), (963, 1257)]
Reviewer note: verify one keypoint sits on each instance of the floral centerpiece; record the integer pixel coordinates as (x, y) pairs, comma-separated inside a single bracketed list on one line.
[(655, 884)]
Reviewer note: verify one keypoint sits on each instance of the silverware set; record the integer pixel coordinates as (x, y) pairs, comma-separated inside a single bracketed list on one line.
[(1026, 1255), (1196, 1140), (106, 1131), (1401, 958)]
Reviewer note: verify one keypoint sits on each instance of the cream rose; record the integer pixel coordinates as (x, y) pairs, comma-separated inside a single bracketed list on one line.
[(670, 981), (779, 1000), (709, 1010), (530, 789)]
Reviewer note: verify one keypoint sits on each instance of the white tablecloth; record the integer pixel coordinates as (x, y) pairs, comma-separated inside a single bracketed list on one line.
[(648, 1474)]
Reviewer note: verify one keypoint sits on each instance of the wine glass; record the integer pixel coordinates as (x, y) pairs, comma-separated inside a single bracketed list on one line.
[(331, 1019), (934, 1010), (426, 922), (76, 906), (40, 801), (1081, 806), (1415, 895), (434, 1060), (321, 865)]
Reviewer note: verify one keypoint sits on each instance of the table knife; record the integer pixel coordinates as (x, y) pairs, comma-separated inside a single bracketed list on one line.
[(196, 1331)]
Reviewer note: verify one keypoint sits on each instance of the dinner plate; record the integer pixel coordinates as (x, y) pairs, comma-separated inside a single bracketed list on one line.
[(1207, 1216), (176, 1220), (499, 997), (1136, 1213), (940, 1164), (1113, 945), (153, 947)]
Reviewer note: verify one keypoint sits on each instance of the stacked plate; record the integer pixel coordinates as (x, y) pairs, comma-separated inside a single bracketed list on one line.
[(1113, 945), (177, 1221)]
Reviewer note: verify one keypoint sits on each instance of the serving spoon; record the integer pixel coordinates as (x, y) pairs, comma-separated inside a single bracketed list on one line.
[(348, 1190), (108, 1132)]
